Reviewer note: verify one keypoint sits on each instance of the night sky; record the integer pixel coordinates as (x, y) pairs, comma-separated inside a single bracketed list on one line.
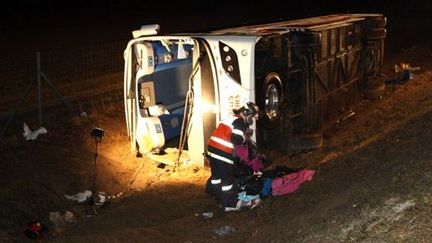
[(81, 22), (30, 11)]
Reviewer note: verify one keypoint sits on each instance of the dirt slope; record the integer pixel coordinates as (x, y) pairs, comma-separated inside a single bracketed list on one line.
[(373, 184), (373, 180)]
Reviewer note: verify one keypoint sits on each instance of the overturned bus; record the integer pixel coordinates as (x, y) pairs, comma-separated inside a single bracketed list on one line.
[(303, 74)]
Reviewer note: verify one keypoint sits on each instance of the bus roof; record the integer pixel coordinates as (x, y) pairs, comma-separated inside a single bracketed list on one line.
[(308, 24)]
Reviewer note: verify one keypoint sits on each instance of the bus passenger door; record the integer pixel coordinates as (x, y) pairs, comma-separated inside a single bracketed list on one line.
[(138, 62)]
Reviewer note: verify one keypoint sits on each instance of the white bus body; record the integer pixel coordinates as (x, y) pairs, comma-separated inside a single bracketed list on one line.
[(303, 74)]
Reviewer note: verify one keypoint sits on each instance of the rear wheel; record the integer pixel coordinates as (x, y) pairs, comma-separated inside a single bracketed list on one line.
[(271, 101), (376, 22), (307, 141), (375, 88)]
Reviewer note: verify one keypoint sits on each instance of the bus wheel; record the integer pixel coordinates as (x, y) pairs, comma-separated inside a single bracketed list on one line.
[(271, 101), (307, 141), (375, 88)]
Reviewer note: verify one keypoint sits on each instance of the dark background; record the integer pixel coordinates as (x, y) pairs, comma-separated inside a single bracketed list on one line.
[(33, 24)]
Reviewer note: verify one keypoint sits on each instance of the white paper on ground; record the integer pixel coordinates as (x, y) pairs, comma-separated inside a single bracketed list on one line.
[(29, 135), (80, 196)]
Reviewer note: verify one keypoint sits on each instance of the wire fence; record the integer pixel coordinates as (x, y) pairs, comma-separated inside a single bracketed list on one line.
[(71, 70), (62, 65)]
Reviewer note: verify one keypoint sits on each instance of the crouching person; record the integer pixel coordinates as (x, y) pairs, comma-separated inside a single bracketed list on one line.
[(230, 132)]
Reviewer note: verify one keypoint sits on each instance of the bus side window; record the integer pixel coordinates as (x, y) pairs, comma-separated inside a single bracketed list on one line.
[(342, 38), (349, 36), (333, 42), (324, 44), (277, 47), (357, 35)]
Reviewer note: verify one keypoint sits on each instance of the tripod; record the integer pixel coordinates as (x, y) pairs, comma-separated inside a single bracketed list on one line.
[(38, 79), (97, 133), (95, 199)]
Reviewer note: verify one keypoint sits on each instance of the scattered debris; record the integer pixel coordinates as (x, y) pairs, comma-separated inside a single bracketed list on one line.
[(101, 200), (404, 73), (161, 166), (348, 115), (35, 230), (80, 119), (225, 230), (115, 196), (29, 135), (208, 215), (170, 156), (84, 115), (58, 222), (69, 217), (80, 196)]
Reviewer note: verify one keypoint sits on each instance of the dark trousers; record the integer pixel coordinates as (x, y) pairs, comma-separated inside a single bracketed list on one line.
[(222, 184)]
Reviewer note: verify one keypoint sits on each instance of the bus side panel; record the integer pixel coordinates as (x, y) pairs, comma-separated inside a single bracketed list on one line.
[(207, 91), (338, 76)]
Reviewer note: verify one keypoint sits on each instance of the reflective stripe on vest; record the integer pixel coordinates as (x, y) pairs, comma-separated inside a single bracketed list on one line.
[(222, 142), (227, 188), (215, 182), (221, 158), (238, 132), (221, 137)]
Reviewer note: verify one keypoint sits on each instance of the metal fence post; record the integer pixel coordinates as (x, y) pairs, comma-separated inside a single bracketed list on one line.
[(39, 85)]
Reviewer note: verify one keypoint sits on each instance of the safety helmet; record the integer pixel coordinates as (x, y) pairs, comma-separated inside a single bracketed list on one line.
[(250, 109)]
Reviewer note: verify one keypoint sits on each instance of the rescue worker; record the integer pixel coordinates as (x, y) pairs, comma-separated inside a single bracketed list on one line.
[(220, 151)]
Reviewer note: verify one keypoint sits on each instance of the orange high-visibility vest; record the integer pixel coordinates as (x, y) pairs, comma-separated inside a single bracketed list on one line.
[(221, 137)]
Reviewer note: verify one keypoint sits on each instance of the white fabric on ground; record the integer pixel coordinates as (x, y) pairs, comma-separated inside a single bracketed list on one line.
[(29, 135)]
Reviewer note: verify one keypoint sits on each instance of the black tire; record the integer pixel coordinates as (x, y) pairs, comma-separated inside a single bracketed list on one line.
[(375, 88), (285, 143), (270, 101), (307, 141), (376, 22), (368, 62), (376, 33)]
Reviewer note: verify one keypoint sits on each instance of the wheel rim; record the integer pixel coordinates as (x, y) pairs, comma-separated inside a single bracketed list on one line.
[(272, 101)]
